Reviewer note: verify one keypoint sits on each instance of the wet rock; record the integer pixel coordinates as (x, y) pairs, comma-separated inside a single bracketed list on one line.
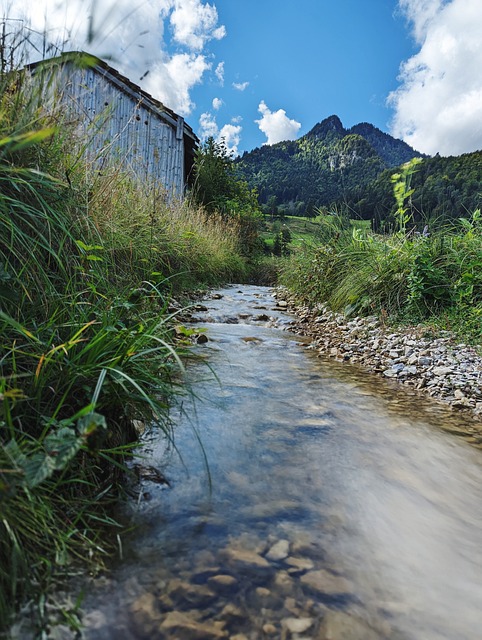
[(145, 613), (190, 595), (327, 583), (297, 625), (284, 582), (202, 338), (269, 629), (182, 625), (279, 551), (245, 557), (222, 581), (262, 317), (297, 565), (231, 613), (338, 625), (217, 296)]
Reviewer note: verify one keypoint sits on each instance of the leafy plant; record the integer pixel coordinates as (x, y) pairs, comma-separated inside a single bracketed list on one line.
[(403, 193)]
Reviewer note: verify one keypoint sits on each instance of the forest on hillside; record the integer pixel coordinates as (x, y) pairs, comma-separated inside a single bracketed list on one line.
[(350, 170)]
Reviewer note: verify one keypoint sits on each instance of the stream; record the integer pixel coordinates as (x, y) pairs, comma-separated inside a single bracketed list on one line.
[(331, 505)]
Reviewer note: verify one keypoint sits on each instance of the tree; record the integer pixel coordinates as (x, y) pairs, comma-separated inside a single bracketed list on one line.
[(217, 189)]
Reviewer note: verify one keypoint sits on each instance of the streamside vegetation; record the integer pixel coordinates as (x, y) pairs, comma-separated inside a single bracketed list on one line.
[(428, 273), (88, 265), (349, 170)]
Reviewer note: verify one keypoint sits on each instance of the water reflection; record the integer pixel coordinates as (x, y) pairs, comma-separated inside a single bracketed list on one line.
[(338, 507)]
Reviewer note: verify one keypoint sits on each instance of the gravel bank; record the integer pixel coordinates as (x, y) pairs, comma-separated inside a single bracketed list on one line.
[(437, 365)]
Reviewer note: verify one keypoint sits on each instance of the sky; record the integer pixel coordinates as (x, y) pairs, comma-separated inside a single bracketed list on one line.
[(256, 72)]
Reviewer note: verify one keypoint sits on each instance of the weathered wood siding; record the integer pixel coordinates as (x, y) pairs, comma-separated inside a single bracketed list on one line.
[(125, 127)]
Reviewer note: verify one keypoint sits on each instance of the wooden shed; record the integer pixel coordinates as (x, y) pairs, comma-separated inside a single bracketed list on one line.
[(124, 125)]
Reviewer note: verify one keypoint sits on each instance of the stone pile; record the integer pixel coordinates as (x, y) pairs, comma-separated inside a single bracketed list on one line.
[(436, 364)]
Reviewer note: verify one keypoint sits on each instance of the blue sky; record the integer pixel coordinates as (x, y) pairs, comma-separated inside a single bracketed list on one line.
[(259, 71), (311, 58)]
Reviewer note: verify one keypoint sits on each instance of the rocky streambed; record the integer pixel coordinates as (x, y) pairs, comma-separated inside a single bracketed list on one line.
[(305, 501), (436, 365)]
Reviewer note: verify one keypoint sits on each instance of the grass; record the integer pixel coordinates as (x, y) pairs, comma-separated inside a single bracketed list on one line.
[(88, 265), (433, 279)]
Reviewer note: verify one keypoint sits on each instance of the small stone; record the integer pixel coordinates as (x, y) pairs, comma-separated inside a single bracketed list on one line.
[(231, 612), (244, 556), (279, 551), (269, 629), (184, 626), (300, 564), (442, 371), (222, 580), (390, 373), (297, 625), (202, 338)]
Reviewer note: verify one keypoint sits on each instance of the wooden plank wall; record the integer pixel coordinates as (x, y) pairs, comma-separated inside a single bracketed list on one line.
[(123, 130)]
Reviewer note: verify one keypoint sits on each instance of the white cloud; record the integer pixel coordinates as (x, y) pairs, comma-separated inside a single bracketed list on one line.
[(276, 125), (217, 104), (438, 106), (230, 133), (208, 127), (240, 86), (132, 36), (219, 73), (195, 23)]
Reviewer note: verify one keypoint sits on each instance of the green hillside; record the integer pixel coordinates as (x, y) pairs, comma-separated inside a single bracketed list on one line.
[(329, 165)]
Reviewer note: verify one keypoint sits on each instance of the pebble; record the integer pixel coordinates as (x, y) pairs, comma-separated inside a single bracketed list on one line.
[(448, 371)]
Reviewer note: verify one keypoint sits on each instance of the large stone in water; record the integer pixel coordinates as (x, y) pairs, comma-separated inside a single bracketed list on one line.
[(326, 583), (246, 557), (279, 551), (297, 625), (190, 595), (338, 625), (299, 564), (181, 625)]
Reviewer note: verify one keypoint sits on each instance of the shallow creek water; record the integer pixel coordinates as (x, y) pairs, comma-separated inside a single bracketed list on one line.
[(334, 507)]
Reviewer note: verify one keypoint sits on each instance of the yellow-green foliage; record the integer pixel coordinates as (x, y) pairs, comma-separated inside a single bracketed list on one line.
[(436, 275)]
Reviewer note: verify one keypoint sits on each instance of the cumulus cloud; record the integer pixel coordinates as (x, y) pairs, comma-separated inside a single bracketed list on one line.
[(276, 125), (229, 133), (208, 127), (217, 104), (195, 23), (132, 36), (438, 105), (240, 86), (219, 73)]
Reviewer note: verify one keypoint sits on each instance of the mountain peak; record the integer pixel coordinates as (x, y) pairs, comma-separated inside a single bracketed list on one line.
[(330, 127)]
